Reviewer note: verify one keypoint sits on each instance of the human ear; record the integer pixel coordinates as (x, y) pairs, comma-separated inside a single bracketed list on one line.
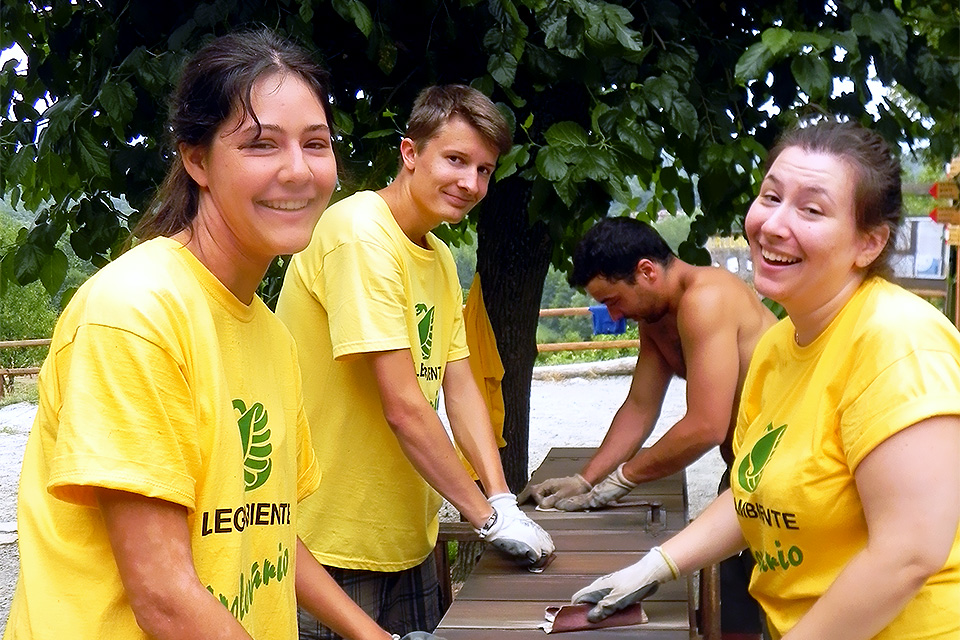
[(871, 245), (646, 269), (194, 162), (408, 153)]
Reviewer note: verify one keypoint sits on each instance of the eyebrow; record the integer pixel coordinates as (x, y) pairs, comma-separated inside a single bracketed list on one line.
[(814, 189), (254, 129)]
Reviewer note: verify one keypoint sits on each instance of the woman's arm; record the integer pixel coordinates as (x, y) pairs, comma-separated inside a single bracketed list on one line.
[(151, 545), (713, 536), (910, 489), (319, 594)]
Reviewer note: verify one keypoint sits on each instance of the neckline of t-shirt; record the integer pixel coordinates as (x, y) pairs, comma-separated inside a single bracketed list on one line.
[(217, 290), (424, 253)]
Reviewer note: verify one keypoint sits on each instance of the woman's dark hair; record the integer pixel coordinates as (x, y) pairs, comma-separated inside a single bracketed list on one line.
[(877, 194), (613, 247), (215, 84)]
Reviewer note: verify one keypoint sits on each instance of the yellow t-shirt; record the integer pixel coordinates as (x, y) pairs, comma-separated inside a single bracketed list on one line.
[(362, 286), (160, 382), (808, 416)]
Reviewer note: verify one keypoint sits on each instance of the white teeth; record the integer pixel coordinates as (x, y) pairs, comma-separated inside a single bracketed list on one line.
[(776, 257), (285, 205)]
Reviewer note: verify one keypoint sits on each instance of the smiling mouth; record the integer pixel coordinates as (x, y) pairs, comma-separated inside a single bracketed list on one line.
[(285, 205), (777, 258)]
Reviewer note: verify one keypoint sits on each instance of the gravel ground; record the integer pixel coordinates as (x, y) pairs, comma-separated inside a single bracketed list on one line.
[(570, 406)]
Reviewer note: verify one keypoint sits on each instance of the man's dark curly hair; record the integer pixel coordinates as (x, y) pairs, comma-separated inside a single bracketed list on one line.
[(613, 247)]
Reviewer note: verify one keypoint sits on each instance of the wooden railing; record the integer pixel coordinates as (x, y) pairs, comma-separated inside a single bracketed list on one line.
[(8, 373), (12, 372), (580, 346)]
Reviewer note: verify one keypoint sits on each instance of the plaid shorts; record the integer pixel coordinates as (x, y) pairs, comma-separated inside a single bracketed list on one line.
[(400, 601)]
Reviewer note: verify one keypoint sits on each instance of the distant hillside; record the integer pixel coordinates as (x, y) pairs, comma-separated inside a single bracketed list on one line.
[(19, 214)]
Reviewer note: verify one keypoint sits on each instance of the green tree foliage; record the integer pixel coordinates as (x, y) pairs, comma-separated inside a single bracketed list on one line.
[(677, 97)]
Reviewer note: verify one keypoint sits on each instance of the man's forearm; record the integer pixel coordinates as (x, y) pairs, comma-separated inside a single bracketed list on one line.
[(682, 445), (424, 442)]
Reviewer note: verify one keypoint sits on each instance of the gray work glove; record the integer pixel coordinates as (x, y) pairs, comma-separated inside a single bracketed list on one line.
[(418, 635), (605, 492), (622, 588), (549, 491), (513, 533)]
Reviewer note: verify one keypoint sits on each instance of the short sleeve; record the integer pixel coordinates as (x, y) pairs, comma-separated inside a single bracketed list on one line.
[(308, 469), (127, 420), (918, 386), (361, 286)]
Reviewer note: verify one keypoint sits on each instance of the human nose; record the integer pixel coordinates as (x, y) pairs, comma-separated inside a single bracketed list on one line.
[(471, 181), (295, 166)]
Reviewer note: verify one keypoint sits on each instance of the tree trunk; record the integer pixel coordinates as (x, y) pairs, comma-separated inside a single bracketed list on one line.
[(512, 259)]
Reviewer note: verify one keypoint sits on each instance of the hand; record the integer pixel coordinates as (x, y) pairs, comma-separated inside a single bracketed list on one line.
[(513, 533), (549, 491), (618, 590), (606, 492), (418, 635)]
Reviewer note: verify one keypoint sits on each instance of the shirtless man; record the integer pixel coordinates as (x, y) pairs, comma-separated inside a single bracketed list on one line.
[(699, 323)]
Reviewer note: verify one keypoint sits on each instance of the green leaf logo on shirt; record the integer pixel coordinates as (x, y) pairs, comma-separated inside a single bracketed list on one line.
[(751, 467), (425, 328), (255, 439)]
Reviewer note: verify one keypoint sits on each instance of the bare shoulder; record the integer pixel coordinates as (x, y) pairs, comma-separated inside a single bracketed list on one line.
[(717, 291)]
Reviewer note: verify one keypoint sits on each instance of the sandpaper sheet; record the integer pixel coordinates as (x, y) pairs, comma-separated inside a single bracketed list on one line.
[(573, 617)]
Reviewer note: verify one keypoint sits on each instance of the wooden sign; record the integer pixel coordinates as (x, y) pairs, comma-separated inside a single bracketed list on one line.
[(953, 236), (946, 215), (948, 190)]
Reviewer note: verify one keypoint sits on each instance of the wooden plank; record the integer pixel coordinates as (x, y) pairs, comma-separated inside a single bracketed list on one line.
[(553, 467), (484, 614), (631, 513), (551, 587), (584, 563), (578, 541)]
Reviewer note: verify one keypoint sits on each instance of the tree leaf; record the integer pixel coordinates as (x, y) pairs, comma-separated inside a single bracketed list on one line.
[(776, 39), (503, 68), (550, 163), (812, 75), (884, 28), (357, 12), (566, 134), (754, 63), (93, 155), (53, 271), (683, 116)]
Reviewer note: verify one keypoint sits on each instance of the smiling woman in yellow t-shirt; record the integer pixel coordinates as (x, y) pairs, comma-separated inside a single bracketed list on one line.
[(160, 482), (845, 486)]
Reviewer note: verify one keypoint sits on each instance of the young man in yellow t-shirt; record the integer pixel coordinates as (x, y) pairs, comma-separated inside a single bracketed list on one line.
[(375, 307)]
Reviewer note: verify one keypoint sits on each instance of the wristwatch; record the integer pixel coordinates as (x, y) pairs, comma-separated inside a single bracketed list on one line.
[(484, 531)]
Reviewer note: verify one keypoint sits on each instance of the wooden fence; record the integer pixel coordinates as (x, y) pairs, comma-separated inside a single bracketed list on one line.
[(580, 346), (7, 374)]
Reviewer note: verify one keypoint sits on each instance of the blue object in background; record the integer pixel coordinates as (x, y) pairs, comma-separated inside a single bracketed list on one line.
[(603, 323)]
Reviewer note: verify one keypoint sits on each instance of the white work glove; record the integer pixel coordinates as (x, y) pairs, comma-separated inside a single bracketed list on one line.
[(549, 491), (605, 492), (418, 635), (622, 588), (513, 533)]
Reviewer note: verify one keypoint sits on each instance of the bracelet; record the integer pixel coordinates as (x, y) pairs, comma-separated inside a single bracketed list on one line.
[(484, 531)]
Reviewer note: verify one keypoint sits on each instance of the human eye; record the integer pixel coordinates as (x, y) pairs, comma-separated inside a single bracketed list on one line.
[(455, 159), (769, 197), (260, 144), (318, 144)]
